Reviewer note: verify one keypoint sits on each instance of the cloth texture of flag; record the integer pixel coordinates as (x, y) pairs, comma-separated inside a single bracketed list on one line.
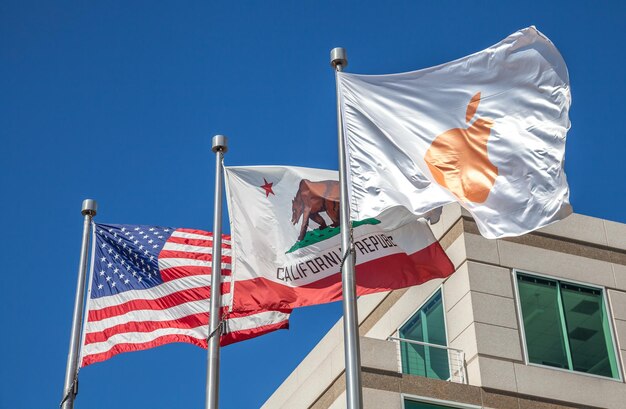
[(286, 241), (150, 286), (487, 130)]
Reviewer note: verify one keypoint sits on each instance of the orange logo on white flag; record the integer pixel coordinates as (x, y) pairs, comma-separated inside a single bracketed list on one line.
[(458, 158)]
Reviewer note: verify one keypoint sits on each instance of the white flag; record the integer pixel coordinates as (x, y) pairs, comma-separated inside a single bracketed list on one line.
[(487, 130), (286, 243)]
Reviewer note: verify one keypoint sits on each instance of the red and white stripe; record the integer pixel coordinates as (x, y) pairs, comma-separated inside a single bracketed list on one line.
[(175, 311), (416, 258)]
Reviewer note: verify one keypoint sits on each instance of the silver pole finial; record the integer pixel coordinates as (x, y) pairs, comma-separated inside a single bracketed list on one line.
[(338, 58), (90, 207), (220, 143)]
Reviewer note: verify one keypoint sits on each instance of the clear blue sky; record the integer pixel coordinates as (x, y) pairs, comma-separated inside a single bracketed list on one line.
[(118, 100)]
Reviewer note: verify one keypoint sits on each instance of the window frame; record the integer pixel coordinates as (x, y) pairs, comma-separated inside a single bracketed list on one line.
[(415, 311), (559, 280), (424, 399)]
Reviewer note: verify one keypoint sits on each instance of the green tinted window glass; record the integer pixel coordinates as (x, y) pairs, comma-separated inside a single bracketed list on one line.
[(427, 325), (410, 404), (590, 342), (542, 321), (413, 356), (566, 326)]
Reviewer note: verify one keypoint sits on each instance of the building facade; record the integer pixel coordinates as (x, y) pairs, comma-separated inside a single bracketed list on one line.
[(537, 321)]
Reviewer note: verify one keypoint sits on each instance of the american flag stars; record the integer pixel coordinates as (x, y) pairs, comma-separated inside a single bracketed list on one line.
[(127, 258)]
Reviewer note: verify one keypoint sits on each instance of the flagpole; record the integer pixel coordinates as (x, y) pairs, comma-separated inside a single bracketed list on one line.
[(220, 146), (70, 387), (339, 60)]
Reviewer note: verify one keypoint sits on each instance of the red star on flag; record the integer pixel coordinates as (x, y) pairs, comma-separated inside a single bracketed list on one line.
[(268, 188)]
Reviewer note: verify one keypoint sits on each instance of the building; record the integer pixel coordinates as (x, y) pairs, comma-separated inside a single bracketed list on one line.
[(537, 321)]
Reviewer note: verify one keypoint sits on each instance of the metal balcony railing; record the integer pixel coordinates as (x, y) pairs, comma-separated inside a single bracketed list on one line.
[(430, 360)]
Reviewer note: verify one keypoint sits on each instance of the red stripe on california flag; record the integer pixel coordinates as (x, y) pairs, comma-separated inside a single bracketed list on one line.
[(173, 273), (383, 274), (163, 303), (119, 348)]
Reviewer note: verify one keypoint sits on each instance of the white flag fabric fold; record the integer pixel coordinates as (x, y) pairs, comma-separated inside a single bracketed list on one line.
[(487, 130), (286, 243)]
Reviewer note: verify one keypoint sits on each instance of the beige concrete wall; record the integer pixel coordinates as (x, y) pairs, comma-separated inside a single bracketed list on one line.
[(399, 312), (378, 399), (320, 367)]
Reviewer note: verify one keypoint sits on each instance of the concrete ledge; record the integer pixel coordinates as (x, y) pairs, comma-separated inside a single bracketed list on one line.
[(579, 227), (379, 354), (555, 263)]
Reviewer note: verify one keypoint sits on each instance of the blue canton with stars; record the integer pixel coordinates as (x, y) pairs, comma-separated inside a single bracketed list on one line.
[(126, 258)]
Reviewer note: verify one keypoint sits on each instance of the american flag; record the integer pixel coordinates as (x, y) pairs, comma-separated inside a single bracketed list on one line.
[(150, 286)]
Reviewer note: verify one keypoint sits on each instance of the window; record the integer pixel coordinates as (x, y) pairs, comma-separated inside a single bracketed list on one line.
[(426, 326), (566, 326), (429, 403), (411, 404)]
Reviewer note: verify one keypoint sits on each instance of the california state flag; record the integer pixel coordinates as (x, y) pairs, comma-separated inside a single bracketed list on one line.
[(487, 130), (285, 241)]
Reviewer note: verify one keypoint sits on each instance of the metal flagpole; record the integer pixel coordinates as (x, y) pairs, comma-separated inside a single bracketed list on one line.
[(339, 60), (220, 146), (70, 388)]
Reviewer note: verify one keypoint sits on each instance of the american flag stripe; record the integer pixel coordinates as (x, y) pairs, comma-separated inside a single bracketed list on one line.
[(151, 286), (192, 248), (199, 246), (174, 262), (159, 304), (148, 321), (253, 321), (147, 307), (174, 273), (200, 235), (182, 231), (143, 314), (138, 338), (167, 288), (195, 242), (93, 357), (148, 324), (187, 321), (253, 325), (235, 330), (207, 257)]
